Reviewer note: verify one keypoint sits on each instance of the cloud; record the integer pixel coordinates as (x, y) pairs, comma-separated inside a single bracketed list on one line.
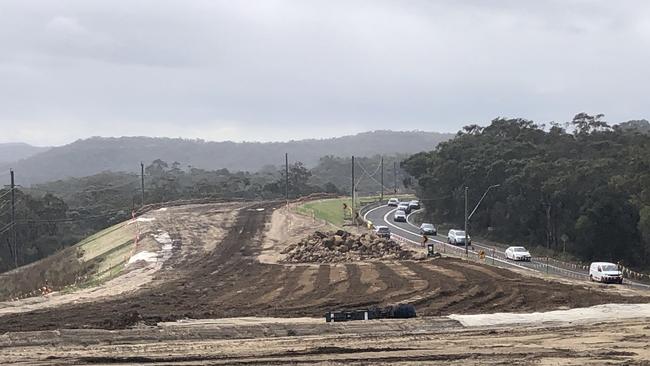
[(282, 69)]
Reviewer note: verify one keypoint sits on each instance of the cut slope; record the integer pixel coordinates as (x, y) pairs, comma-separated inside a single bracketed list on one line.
[(91, 258)]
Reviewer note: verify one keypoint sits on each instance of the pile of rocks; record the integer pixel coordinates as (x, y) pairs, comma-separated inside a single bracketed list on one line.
[(341, 246)]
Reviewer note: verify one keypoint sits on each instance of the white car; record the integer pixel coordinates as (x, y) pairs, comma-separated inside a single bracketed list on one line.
[(518, 254), (399, 216), (458, 237), (404, 206), (393, 202), (605, 272)]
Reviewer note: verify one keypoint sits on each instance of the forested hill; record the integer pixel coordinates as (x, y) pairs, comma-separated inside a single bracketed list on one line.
[(585, 191), (94, 155)]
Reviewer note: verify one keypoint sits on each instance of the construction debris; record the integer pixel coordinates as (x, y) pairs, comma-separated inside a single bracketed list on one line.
[(342, 246), (401, 311)]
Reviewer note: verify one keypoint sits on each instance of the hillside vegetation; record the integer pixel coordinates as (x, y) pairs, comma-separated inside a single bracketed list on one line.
[(586, 191), (95, 155)]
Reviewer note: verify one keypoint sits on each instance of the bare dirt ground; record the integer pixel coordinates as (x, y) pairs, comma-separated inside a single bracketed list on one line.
[(151, 227), (431, 341), (216, 269), (228, 281), (286, 227)]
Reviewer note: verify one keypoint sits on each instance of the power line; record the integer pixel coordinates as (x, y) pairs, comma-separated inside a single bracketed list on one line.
[(371, 176), (6, 228), (45, 221), (82, 191), (8, 192)]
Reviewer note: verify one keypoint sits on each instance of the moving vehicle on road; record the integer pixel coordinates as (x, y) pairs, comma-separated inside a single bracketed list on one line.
[(393, 202), (605, 272), (414, 205), (382, 232), (456, 237), (518, 254), (404, 206), (428, 229), (399, 216)]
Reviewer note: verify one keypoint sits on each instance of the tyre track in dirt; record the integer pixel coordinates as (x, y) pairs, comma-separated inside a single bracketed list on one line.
[(228, 281)]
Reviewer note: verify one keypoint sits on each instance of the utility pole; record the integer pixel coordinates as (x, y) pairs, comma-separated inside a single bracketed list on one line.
[(13, 218), (395, 177), (286, 176), (352, 187), (142, 181), (382, 179), (466, 236), (468, 217)]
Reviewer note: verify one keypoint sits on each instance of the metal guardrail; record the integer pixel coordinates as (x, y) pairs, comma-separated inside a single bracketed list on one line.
[(543, 264), (363, 210)]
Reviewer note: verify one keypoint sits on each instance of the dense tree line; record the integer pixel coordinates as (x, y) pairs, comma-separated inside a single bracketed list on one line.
[(583, 186)]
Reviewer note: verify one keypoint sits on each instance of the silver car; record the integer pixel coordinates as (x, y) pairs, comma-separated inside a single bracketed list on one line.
[(458, 237), (428, 229)]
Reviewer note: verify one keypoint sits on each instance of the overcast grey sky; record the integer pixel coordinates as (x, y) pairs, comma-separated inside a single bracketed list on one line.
[(276, 70)]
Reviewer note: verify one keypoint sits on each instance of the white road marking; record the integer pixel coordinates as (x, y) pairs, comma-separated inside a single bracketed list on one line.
[(437, 241), (538, 264), (483, 246)]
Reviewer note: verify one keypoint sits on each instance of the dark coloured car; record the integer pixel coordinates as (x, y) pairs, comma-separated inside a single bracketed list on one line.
[(428, 229), (382, 232)]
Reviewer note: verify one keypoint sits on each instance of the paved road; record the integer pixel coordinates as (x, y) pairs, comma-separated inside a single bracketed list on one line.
[(409, 233)]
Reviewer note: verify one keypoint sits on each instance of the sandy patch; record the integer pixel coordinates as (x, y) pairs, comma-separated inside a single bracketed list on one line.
[(286, 227), (606, 312)]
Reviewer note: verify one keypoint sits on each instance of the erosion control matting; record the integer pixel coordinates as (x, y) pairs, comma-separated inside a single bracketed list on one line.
[(228, 281)]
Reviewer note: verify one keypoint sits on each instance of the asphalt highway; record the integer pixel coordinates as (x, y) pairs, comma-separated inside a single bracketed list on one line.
[(409, 233)]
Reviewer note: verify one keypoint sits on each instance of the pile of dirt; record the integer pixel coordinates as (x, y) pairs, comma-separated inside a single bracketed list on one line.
[(342, 246)]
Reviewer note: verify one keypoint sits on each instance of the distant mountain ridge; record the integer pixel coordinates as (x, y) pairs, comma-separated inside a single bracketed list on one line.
[(97, 154), (14, 151)]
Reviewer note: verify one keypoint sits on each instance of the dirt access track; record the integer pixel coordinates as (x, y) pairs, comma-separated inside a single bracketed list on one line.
[(205, 279), (430, 341)]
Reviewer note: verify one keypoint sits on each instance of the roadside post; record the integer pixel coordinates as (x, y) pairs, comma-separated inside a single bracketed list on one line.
[(493, 254), (546, 264), (430, 250)]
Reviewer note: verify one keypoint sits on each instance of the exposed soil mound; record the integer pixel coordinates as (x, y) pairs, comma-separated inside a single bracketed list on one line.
[(342, 246)]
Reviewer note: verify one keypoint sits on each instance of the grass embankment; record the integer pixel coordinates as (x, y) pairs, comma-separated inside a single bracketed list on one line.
[(92, 261), (331, 209)]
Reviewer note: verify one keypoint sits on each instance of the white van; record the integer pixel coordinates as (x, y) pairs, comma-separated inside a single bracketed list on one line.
[(605, 272)]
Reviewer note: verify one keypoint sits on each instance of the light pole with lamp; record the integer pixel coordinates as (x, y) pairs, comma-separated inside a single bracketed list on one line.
[(468, 217)]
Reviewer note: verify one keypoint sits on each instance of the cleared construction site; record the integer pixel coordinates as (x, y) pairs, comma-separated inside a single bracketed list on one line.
[(193, 278)]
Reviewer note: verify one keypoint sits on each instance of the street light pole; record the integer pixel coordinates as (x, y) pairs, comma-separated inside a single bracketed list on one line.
[(468, 217)]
